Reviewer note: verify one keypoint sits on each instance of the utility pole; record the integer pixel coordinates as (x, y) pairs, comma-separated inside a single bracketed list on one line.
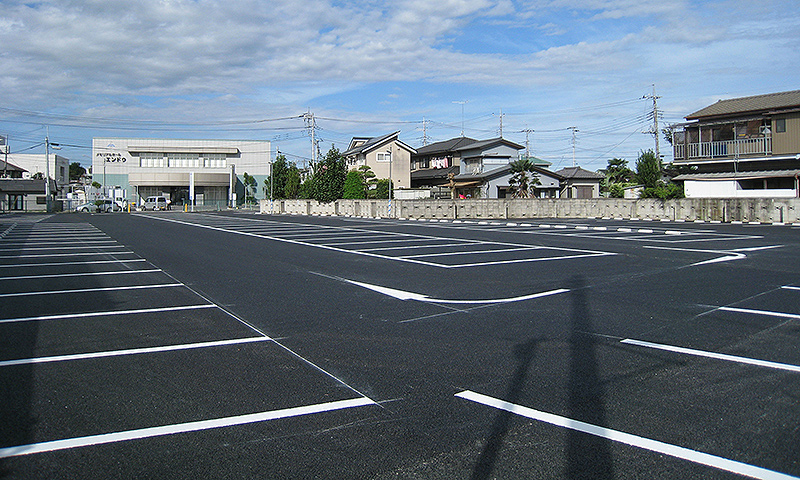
[(462, 103), (501, 122), (5, 146), (654, 130), (424, 131), (574, 131), (311, 124), (527, 133)]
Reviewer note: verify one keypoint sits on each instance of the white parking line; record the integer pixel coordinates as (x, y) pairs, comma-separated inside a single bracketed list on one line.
[(131, 351), (629, 439), (61, 264), (89, 274), (78, 254), (181, 428), (107, 313), (716, 356), (90, 290), (761, 312), (579, 254)]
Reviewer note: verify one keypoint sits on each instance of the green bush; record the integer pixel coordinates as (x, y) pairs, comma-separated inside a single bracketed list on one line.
[(354, 185)]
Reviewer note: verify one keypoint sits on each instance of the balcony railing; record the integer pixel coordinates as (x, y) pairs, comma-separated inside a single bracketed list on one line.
[(727, 148)]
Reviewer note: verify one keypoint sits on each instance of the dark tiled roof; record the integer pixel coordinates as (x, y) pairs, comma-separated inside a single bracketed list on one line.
[(23, 185), (757, 103), (579, 173), (445, 146), (489, 143)]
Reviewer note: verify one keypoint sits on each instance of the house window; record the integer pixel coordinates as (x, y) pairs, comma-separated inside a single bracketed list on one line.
[(780, 125), (384, 157)]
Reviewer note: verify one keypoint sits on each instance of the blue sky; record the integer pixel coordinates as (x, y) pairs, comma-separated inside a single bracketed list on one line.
[(249, 69)]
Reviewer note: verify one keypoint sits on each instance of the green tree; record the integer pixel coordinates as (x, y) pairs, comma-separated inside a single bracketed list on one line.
[(75, 171), (617, 176), (292, 187), (381, 189), (368, 177), (523, 177), (275, 183), (648, 169), (354, 185), (250, 186), (329, 176)]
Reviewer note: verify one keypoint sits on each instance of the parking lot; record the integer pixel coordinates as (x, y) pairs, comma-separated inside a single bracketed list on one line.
[(228, 345)]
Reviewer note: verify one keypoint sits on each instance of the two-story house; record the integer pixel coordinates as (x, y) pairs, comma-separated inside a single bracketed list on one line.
[(485, 170), (386, 155), (435, 164), (741, 147)]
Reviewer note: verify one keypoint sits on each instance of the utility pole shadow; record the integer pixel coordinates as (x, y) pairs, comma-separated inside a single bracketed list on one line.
[(524, 354), (588, 456)]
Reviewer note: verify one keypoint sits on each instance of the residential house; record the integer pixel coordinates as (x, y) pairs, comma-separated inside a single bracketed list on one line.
[(484, 170), (434, 165), (741, 147), (496, 183), (24, 194), (580, 183), (387, 156)]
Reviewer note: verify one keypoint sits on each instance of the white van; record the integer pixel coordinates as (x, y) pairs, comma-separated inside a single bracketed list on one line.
[(156, 203)]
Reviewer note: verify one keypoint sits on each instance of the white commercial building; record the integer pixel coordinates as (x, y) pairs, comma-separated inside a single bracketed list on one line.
[(197, 172)]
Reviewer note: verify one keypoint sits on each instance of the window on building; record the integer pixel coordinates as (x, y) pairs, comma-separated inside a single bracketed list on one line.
[(150, 160), (780, 125), (183, 160), (384, 157), (215, 160)]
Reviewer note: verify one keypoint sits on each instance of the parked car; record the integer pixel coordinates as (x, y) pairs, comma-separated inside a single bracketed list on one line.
[(86, 207), (156, 203), (107, 206)]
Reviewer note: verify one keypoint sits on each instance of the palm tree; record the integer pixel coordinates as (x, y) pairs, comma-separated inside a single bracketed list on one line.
[(520, 182)]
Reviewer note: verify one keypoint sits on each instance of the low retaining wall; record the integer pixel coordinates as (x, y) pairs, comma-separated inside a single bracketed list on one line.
[(744, 210)]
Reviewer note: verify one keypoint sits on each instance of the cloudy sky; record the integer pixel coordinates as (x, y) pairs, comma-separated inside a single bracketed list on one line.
[(250, 69)]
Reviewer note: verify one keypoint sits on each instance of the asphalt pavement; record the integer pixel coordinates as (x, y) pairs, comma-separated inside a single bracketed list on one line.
[(236, 345)]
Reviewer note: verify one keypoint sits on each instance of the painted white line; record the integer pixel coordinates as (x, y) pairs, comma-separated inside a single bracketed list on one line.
[(726, 258), (132, 351), (403, 295), (90, 274), (475, 252), (790, 287), (61, 264), (629, 439), (79, 254), (181, 428), (90, 290), (107, 314), (761, 312), (525, 260), (59, 247), (716, 356)]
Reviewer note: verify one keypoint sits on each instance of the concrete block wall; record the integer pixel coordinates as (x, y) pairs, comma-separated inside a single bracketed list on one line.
[(745, 210)]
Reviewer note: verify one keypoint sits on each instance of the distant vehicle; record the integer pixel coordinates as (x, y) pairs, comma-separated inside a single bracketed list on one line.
[(156, 203), (107, 206), (86, 207)]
